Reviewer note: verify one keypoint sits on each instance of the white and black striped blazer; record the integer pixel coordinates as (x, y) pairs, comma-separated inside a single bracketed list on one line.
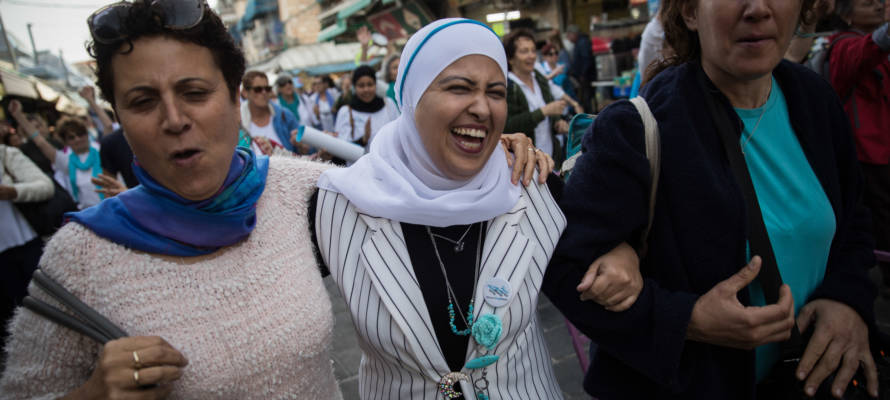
[(401, 357)]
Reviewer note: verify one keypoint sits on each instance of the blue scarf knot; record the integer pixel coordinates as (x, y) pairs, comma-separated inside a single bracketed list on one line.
[(154, 219)]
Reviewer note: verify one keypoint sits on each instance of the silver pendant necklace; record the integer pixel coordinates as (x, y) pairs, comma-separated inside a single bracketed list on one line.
[(452, 298), (458, 244)]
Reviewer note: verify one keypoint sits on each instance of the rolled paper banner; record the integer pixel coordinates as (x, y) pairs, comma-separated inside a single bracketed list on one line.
[(320, 140), (482, 362)]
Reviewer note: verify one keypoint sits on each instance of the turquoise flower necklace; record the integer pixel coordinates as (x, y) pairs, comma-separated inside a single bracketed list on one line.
[(452, 298), (486, 330)]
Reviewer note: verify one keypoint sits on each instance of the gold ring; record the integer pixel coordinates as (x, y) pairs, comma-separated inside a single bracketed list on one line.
[(530, 148), (136, 377), (136, 363)]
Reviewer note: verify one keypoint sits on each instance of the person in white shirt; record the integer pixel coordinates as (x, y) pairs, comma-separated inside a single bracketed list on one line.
[(322, 105), (21, 181), (268, 125), (535, 108), (366, 112)]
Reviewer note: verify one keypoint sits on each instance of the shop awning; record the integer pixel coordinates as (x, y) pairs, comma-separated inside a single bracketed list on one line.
[(256, 9), (311, 57), (343, 11), (346, 8), (332, 31), (18, 85), (47, 93)]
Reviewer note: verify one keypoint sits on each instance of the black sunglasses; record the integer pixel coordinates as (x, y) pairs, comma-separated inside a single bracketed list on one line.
[(108, 24), (260, 89)]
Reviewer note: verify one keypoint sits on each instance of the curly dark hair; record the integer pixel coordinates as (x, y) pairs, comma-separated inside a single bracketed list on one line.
[(70, 125), (683, 43), (511, 38), (144, 20)]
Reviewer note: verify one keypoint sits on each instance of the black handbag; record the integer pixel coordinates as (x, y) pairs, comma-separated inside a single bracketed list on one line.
[(782, 382), (45, 217)]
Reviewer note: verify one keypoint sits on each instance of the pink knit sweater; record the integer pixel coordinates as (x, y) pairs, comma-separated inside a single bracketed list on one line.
[(253, 319)]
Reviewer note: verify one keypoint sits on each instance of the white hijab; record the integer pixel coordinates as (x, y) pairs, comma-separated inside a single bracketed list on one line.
[(397, 178)]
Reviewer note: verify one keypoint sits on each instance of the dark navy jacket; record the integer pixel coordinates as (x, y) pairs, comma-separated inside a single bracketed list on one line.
[(698, 236)]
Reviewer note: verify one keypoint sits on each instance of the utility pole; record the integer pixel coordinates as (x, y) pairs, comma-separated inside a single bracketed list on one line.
[(33, 47), (64, 68), (15, 63)]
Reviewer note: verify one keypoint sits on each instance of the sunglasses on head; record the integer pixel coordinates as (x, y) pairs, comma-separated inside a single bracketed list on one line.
[(260, 89), (108, 24)]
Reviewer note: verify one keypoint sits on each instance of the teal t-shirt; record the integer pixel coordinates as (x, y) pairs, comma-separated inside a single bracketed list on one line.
[(798, 216), (292, 106)]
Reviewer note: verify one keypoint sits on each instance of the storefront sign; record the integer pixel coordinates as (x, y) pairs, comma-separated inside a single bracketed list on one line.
[(400, 22)]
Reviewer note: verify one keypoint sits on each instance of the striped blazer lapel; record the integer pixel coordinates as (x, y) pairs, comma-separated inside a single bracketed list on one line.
[(506, 254), (388, 264)]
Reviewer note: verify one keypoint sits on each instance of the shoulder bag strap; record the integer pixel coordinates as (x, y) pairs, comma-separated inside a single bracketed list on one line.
[(758, 238), (653, 153)]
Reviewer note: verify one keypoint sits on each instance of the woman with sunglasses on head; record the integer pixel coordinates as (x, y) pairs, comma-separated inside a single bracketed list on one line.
[(267, 123), (206, 265), (758, 186)]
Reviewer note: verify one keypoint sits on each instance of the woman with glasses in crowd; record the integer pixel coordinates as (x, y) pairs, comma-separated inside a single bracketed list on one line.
[(207, 264), (268, 124), (549, 66), (439, 254), (738, 126)]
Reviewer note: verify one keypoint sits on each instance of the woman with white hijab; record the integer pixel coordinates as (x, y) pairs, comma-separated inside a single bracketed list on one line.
[(440, 257)]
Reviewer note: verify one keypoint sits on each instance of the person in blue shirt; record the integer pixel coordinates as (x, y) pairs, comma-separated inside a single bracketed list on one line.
[(701, 328)]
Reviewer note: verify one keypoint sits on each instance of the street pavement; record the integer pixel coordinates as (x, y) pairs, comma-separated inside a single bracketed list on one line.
[(347, 354)]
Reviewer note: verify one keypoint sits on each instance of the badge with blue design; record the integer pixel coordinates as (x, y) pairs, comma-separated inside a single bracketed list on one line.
[(496, 292)]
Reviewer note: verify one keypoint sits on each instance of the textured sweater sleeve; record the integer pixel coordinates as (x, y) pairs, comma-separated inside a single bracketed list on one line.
[(30, 183), (606, 203), (46, 360)]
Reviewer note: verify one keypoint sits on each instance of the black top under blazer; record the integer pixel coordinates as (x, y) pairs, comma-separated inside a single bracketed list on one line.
[(698, 237)]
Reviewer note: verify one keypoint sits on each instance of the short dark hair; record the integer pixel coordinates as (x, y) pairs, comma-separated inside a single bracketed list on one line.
[(511, 38), (250, 76), (146, 21), (68, 125)]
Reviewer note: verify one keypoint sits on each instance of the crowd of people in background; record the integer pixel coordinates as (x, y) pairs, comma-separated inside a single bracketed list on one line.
[(825, 76)]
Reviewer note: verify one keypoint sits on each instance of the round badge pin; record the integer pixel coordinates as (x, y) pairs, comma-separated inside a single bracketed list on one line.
[(497, 292)]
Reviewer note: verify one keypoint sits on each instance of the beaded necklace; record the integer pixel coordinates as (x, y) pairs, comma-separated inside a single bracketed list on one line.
[(452, 298)]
